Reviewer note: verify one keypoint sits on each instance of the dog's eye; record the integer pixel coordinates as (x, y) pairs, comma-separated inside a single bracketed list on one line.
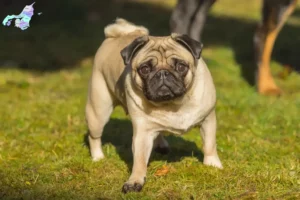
[(181, 67), (145, 69)]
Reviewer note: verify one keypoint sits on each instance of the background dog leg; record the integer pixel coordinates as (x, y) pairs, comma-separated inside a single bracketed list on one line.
[(141, 147), (199, 19), (98, 110), (182, 15), (275, 13), (161, 144), (208, 134)]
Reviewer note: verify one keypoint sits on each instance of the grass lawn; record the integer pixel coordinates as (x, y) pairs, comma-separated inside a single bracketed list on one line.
[(43, 153)]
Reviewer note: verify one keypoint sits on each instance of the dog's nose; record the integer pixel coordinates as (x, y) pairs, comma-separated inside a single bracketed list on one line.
[(162, 74)]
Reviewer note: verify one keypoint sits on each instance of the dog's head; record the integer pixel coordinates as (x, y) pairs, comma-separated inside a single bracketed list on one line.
[(162, 67)]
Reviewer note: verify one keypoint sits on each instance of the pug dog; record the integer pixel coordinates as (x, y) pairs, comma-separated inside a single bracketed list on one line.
[(161, 82)]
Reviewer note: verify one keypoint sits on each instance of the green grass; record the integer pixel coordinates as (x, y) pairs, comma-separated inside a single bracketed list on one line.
[(43, 154)]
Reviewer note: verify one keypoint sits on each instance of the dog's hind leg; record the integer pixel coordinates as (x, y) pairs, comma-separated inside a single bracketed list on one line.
[(161, 144), (98, 110), (275, 14)]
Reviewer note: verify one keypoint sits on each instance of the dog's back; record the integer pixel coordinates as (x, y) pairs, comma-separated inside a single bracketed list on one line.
[(117, 36), (122, 28)]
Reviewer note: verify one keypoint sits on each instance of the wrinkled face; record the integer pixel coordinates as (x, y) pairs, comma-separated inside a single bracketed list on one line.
[(163, 67)]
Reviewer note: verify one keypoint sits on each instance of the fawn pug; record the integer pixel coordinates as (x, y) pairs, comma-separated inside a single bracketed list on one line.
[(161, 82)]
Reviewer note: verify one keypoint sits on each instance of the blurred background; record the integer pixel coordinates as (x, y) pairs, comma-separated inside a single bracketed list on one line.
[(70, 31)]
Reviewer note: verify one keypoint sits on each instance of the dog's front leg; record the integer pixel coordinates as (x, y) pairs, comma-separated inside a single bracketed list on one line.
[(141, 147), (208, 134)]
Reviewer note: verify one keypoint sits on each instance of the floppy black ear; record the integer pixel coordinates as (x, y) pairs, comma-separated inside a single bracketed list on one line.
[(129, 52), (190, 44)]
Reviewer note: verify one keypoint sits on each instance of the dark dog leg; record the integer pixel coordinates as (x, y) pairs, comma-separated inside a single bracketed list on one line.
[(182, 15), (199, 19), (274, 15), (189, 17)]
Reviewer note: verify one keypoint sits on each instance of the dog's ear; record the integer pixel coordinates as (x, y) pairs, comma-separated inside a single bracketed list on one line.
[(130, 51), (190, 44)]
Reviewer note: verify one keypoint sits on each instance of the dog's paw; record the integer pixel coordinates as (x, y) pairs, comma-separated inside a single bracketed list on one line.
[(97, 155), (271, 92), (131, 187), (96, 159), (162, 150), (213, 161)]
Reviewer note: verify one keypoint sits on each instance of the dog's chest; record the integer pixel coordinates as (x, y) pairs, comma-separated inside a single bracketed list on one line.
[(180, 121)]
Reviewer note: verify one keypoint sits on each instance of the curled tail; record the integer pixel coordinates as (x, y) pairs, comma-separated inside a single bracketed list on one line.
[(122, 27)]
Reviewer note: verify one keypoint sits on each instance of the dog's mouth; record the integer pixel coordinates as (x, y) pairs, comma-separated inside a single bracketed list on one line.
[(164, 93), (162, 86)]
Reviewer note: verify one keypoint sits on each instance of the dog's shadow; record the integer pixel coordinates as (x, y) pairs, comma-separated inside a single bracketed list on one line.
[(118, 132)]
